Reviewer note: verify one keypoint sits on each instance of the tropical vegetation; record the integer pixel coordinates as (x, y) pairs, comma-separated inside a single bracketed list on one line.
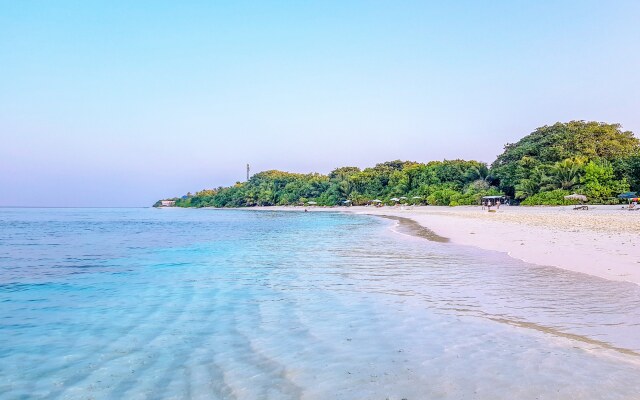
[(596, 159)]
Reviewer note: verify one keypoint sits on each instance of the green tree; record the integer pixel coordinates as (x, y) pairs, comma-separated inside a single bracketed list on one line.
[(599, 181), (548, 145), (566, 174)]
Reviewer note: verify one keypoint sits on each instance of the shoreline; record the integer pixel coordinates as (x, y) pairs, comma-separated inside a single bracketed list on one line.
[(603, 241)]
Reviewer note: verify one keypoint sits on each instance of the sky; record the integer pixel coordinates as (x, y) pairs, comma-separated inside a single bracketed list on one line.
[(120, 103)]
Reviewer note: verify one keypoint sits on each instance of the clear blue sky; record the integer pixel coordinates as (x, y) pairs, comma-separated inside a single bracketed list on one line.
[(124, 102)]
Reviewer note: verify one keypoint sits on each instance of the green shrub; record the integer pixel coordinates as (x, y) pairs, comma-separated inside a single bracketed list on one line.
[(550, 198)]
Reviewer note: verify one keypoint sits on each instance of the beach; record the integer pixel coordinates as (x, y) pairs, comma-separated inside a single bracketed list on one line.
[(603, 241)]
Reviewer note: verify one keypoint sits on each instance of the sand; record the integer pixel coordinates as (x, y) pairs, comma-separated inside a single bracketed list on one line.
[(603, 241)]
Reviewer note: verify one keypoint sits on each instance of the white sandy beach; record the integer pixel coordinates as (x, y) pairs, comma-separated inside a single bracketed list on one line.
[(603, 241)]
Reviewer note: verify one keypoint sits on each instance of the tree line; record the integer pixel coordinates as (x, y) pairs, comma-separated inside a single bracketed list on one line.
[(596, 159)]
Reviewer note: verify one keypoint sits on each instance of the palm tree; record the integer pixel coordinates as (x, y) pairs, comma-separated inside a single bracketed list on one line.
[(526, 188), (537, 180), (566, 174), (477, 173)]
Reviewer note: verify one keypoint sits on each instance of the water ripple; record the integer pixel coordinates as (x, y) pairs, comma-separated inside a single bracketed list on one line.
[(243, 305)]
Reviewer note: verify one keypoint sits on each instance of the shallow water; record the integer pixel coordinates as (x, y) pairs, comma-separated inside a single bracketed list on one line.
[(144, 303)]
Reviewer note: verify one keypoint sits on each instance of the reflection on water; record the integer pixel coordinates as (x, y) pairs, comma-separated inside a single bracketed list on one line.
[(243, 304)]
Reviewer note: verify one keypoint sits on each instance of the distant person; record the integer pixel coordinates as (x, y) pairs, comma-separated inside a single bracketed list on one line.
[(498, 204)]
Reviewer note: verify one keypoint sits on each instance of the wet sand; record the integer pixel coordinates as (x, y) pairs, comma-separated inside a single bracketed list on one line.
[(603, 241)]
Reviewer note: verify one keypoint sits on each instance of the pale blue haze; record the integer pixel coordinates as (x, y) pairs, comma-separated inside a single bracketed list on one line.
[(224, 304), (121, 103)]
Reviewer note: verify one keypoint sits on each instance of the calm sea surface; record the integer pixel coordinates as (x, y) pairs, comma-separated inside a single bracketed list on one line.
[(210, 304)]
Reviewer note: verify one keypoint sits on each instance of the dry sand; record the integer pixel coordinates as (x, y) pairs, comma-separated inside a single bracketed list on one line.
[(603, 241)]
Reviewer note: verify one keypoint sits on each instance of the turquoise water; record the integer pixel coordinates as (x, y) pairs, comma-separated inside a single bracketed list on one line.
[(209, 304)]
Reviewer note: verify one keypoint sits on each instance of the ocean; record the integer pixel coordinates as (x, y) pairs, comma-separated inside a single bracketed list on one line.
[(233, 304)]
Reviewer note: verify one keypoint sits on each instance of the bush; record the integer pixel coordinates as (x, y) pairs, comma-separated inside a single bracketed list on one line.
[(442, 197), (550, 198)]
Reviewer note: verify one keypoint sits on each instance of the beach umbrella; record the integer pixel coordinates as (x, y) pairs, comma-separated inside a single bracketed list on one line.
[(312, 203), (416, 197), (347, 201), (403, 198), (395, 199), (576, 196), (628, 195), (376, 201)]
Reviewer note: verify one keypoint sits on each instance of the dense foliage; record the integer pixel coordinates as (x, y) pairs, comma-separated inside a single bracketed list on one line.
[(596, 159), (438, 182)]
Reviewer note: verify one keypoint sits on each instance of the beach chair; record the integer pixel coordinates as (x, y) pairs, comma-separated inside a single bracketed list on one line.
[(581, 207)]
